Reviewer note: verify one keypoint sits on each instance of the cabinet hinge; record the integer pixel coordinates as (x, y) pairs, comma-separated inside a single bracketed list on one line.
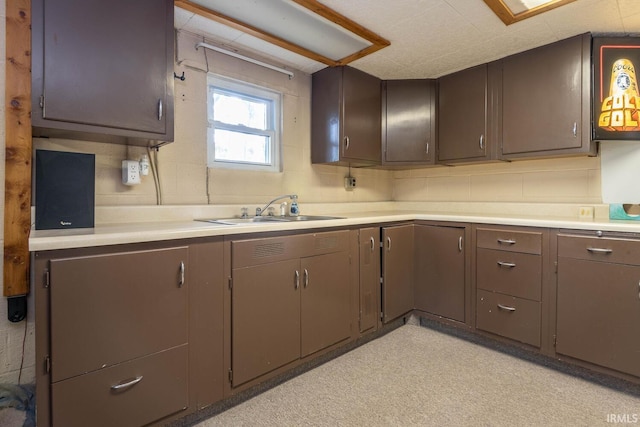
[(555, 264), (42, 101), (555, 340), (231, 376), (382, 315), (47, 364), (47, 279), (230, 283), (381, 280)]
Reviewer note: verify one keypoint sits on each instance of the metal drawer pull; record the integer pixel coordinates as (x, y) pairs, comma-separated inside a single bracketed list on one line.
[(306, 277), (427, 149), (388, 243), (482, 142), (373, 244), (181, 280), (347, 143), (600, 250), (575, 129), (296, 282), (507, 241), (506, 307), (159, 109), (127, 384), (506, 264), (460, 244)]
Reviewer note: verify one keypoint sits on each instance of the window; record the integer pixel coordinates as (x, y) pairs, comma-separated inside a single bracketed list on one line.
[(244, 125)]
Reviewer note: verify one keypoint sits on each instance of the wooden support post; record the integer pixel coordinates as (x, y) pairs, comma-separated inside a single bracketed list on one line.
[(18, 148)]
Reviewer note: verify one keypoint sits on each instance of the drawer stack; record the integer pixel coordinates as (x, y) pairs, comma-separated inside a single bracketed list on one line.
[(509, 283)]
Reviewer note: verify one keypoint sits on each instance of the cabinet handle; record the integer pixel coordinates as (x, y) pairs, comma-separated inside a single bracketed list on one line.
[(347, 143), (127, 384), (506, 308), (460, 244), (388, 243), (373, 244), (159, 109), (600, 250), (427, 148), (181, 280), (306, 277), (296, 280), (575, 129), (506, 264), (482, 142), (506, 241)]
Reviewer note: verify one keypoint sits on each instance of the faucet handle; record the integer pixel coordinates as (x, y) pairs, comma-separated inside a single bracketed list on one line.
[(244, 212), (258, 211)]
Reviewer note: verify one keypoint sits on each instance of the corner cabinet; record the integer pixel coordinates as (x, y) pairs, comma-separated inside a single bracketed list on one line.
[(546, 101), (468, 115), (345, 117), (397, 245), (408, 122), (103, 70)]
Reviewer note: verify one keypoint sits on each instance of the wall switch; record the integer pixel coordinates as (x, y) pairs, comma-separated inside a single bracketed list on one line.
[(349, 183), (130, 172), (586, 213)]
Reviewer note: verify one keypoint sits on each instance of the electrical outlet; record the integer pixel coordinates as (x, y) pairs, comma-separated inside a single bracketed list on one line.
[(130, 172), (586, 212), (349, 183)]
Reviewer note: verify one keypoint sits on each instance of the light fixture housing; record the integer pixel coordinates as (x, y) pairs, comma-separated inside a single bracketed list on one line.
[(512, 11), (305, 27)]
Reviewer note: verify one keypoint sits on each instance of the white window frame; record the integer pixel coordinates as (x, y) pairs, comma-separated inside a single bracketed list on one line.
[(215, 81)]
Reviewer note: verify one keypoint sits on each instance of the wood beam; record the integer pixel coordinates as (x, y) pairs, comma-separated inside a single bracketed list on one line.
[(18, 148)]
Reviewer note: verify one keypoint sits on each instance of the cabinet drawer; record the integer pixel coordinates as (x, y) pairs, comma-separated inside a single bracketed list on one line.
[(108, 309), (510, 273), (508, 316), (510, 240), (619, 251), (90, 400)]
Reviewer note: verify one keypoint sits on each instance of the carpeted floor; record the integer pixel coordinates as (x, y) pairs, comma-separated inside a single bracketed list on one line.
[(415, 376)]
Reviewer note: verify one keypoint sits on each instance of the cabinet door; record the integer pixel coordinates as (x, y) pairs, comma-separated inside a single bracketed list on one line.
[(106, 64), (546, 99), (440, 271), (598, 316), (265, 318), (361, 116), (108, 309), (408, 108), (397, 271), (462, 115), (325, 303), (369, 278)]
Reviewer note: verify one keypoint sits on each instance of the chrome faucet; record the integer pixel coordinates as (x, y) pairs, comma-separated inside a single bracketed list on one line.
[(260, 211)]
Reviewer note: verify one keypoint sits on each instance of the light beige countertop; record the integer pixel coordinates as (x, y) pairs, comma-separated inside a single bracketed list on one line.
[(122, 225)]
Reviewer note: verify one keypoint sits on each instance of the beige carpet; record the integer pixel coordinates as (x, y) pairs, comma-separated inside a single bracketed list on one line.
[(415, 376)]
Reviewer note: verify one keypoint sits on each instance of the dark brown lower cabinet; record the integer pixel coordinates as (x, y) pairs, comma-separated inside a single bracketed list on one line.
[(113, 338), (598, 311), (397, 271), (440, 270), (290, 298), (369, 268)]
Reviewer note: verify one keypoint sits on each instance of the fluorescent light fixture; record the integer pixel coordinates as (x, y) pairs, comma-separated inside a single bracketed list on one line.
[(510, 11), (305, 27)]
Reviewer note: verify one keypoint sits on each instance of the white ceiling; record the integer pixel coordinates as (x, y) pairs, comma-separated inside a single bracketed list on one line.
[(431, 38)]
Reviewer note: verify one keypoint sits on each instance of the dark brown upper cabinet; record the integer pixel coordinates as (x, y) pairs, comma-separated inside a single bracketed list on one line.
[(468, 119), (408, 122), (103, 70), (345, 117), (546, 101)]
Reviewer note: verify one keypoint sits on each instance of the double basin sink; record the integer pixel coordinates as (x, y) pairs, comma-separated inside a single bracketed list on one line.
[(268, 219)]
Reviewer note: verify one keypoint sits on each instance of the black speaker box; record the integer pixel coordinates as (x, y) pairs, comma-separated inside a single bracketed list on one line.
[(65, 190)]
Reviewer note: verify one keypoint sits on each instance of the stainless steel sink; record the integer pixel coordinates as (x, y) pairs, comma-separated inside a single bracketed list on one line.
[(268, 219)]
